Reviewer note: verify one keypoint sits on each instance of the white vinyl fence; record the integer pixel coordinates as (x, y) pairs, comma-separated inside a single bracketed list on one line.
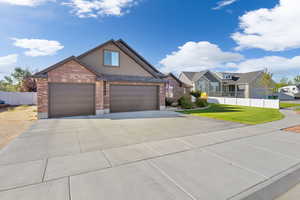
[(262, 103), (19, 98)]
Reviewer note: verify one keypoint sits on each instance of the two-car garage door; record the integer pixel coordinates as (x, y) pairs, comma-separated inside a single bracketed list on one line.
[(72, 99), (127, 98)]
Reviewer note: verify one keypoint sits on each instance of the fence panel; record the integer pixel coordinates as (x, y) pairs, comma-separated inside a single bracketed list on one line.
[(268, 103), (19, 98), (262, 103), (257, 103), (243, 101)]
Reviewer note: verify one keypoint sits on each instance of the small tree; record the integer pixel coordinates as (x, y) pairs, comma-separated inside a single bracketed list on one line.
[(7, 84), (19, 80), (297, 80), (283, 82), (19, 75), (28, 85), (267, 81)]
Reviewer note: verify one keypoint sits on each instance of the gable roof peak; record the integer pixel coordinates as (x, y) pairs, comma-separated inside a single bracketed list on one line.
[(74, 58)]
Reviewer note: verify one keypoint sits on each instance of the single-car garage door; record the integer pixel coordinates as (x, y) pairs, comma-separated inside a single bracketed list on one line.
[(71, 99), (126, 98)]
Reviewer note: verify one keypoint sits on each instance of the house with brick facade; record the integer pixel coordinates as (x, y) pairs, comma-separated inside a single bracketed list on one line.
[(111, 77), (175, 88)]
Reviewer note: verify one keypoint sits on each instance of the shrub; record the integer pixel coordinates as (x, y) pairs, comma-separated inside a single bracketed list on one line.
[(185, 102), (196, 94), (201, 102), (169, 101)]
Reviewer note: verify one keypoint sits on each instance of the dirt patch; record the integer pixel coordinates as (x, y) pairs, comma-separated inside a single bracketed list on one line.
[(14, 121), (295, 129)]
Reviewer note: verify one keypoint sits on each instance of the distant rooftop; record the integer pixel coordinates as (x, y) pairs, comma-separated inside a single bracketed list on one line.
[(229, 77)]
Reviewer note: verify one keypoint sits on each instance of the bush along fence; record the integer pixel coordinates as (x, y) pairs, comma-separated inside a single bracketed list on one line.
[(262, 103), (18, 98)]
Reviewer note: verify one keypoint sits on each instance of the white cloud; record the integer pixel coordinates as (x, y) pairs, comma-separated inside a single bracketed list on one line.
[(275, 29), (197, 56), (38, 47), (273, 63), (223, 3), (95, 8), (7, 63), (24, 2)]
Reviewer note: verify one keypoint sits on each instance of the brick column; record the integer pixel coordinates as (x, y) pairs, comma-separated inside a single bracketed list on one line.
[(42, 98), (99, 98), (106, 97), (162, 97)]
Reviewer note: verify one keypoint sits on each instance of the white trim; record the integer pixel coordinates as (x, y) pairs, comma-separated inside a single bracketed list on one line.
[(162, 107), (99, 112)]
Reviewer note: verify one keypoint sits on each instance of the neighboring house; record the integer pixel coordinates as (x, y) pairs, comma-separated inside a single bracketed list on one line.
[(242, 85), (175, 88), (109, 78)]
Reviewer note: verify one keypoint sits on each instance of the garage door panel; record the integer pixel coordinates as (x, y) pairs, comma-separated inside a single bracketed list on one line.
[(71, 99), (125, 98)]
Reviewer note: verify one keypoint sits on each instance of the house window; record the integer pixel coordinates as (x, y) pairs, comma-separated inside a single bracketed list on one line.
[(227, 76), (104, 88), (111, 58)]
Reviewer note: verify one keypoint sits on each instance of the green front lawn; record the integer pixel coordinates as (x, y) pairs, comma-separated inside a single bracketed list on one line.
[(241, 114), (288, 105)]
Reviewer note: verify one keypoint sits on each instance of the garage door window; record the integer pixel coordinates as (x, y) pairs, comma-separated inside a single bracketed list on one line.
[(111, 58)]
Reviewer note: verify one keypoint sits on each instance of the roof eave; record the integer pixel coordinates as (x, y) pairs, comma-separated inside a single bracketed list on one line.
[(52, 67)]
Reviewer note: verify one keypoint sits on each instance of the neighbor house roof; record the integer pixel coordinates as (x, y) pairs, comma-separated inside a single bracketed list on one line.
[(176, 79), (236, 77), (194, 76), (190, 75), (247, 77)]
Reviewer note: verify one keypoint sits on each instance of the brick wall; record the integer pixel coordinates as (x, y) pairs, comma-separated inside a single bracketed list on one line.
[(106, 95), (71, 72), (42, 95), (99, 95), (178, 91)]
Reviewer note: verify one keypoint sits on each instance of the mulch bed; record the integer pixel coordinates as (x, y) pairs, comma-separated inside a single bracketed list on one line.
[(295, 129)]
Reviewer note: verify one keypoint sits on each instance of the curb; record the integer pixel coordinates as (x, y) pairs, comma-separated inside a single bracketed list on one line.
[(272, 187)]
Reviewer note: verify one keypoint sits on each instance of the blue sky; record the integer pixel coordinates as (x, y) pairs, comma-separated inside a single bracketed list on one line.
[(174, 35)]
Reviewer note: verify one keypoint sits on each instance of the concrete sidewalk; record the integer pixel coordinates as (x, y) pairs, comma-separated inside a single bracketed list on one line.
[(252, 162)]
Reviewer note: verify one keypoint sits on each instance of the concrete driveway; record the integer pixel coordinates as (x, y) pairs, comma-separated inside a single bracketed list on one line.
[(60, 137), (152, 155)]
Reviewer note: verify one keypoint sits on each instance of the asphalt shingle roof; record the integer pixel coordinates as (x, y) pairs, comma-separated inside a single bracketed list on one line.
[(236, 77)]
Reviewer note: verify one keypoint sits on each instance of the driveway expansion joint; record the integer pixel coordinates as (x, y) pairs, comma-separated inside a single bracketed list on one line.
[(44, 173), (162, 172)]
